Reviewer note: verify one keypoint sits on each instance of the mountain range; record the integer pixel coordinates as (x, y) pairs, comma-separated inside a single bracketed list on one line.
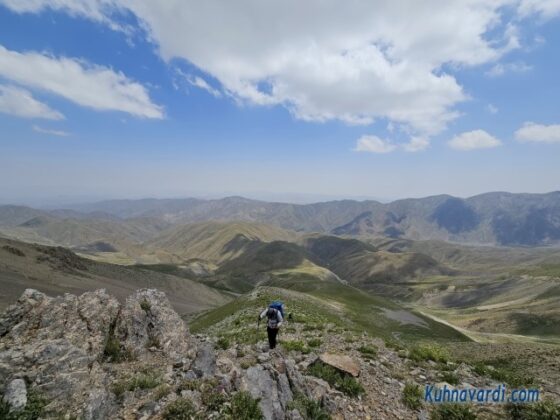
[(497, 218)]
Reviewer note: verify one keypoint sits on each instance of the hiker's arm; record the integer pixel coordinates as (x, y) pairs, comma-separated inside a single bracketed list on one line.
[(280, 319), (263, 313)]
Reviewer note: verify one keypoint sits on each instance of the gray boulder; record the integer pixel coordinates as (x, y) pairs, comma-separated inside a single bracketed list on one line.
[(16, 394), (147, 320)]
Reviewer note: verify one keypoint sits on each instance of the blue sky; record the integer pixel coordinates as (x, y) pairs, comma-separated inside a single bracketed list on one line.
[(111, 98)]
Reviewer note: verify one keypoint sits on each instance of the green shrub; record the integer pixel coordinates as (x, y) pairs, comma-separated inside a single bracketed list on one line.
[(452, 412), (314, 342), (542, 410), (450, 377), (245, 407), (341, 381), (188, 385), (223, 343), (425, 352), (114, 352), (162, 391), (514, 379), (295, 345), (180, 409), (138, 381), (480, 369), (368, 351), (412, 396), (145, 305), (212, 399), (307, 408)]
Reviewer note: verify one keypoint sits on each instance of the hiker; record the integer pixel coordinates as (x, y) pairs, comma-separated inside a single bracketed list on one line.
[(274, 314)]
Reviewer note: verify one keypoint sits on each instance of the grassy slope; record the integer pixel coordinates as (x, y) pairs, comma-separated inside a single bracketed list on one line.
[(321, 302)]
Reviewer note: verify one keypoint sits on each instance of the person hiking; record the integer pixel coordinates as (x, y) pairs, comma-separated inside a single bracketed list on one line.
[(275, 318)]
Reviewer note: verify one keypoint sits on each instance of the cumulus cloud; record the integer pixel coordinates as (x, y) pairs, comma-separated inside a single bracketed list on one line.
[(471, 140), (374, 144), (85, 84), (323, 61), (531, 132), (42, 130), (21, 103)]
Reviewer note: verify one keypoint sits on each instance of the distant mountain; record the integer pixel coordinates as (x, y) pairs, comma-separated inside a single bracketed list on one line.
[(491, 219)]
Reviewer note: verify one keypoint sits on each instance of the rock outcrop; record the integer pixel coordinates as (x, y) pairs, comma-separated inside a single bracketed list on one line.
[(94, 358)]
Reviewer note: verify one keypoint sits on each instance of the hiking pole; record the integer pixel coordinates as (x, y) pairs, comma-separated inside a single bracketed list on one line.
[(257, 332)]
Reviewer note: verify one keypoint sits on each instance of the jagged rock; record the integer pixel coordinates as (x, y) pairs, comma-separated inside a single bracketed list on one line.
[(99, 405), (148, 320), (205, 363), (271, 388), (16, 394), (316, 388), (55, 342), (341, 362)]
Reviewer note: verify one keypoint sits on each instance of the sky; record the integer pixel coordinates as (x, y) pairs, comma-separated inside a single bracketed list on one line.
[(288, 101)]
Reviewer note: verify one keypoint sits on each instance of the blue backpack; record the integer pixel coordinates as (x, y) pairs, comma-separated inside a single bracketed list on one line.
[(279, 306)]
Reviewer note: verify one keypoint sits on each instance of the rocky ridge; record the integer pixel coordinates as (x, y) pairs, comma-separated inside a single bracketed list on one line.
[(91, 357)]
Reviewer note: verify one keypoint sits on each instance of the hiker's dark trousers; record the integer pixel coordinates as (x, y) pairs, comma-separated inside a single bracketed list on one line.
[(272, 333)]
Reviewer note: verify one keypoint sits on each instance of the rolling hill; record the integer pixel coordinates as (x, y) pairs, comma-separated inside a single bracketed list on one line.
[(57, 270)]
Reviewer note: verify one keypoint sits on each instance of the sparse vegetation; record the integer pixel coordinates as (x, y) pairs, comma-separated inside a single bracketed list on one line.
[(412, 396), (295, 345), (162, 391), (223, 343), (314, 342), (426, 352), (368, 351), (212, 398), (452, 412), (542, 410), (143, 380), (307, 408), (341, 381), (450, 377), (180, 409), (145, 305), (114, 352), (33, 410), (245, 407)]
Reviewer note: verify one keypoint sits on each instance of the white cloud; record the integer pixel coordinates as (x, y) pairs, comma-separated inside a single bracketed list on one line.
[(502, 68), (416, 144), (97, 10), (200, 83), (42, 130), (323, 61), (531, 132), (374, 144), (85, 84), (21, 103), (492, 109), (471, 140), (545, 8)]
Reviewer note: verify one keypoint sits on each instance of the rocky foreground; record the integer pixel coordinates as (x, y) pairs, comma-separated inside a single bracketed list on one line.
[(91, 357)]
